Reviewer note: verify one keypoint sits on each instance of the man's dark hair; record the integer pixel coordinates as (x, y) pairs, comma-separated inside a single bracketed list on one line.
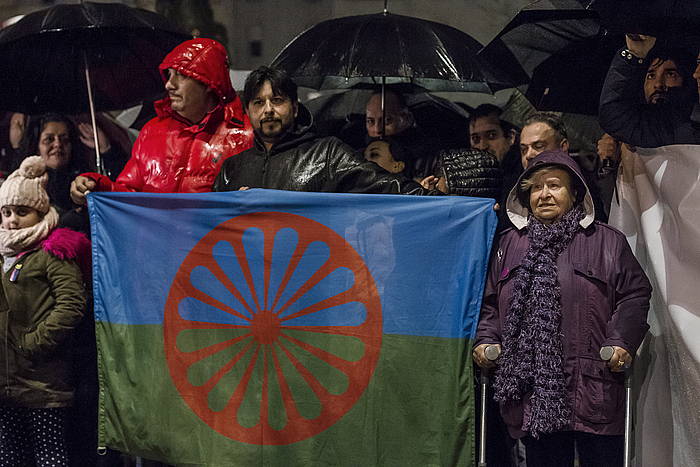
[(490, 110), (281, 83), (685, 61), (550, 119)]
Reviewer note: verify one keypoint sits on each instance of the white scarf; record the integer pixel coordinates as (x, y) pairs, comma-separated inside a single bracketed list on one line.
[(18, 240)]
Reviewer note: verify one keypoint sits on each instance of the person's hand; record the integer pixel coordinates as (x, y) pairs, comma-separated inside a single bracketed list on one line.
[(479, 355), (18, 123), (608, 148), (429, 182), (244, 188), (620, 360), (639, 44), (79, 188), (496, 207), (88, 139)]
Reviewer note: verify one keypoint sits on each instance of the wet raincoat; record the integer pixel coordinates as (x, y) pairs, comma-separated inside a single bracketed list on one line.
[(173, 155), (604, 298)]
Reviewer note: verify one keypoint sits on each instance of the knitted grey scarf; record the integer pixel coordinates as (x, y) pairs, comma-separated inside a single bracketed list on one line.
[(532, 354)]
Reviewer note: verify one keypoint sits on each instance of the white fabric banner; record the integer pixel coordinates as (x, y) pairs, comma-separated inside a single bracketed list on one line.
[(658, 209)]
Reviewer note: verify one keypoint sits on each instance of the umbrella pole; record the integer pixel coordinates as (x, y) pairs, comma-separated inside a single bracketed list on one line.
[(383, 126), (98, 157)]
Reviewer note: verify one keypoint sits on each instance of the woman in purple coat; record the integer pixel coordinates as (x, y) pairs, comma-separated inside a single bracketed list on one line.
[(560, 287)]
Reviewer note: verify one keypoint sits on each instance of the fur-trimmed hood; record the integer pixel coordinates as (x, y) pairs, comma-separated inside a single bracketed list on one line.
[(67, 244)]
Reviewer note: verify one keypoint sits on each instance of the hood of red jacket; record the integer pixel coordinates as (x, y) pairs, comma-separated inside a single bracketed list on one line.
[(204, 60)]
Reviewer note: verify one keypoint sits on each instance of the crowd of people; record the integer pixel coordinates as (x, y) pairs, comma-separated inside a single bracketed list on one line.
[(551, 300)]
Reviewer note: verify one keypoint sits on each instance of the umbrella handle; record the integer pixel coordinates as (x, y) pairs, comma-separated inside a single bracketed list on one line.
[(98, 156)]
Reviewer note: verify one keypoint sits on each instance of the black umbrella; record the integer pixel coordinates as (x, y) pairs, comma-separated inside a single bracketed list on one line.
[(388, 48), (677, 20), (572, 80), (74, 57), (562, 49)]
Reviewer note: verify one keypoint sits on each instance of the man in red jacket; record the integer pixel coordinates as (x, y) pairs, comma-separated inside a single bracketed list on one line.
[(199, 124)]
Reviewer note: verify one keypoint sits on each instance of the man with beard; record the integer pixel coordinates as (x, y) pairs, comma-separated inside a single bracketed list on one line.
[(670, 113), (287, 155), (667, 71)]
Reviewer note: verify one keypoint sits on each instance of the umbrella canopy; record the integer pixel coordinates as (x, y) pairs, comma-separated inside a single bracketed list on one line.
[(675, 19), (43, 57), (344, 52), (562, 49), (572, 79)]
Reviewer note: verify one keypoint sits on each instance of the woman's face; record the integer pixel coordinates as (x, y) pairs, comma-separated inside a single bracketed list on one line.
[(54, 145), (551, 195)]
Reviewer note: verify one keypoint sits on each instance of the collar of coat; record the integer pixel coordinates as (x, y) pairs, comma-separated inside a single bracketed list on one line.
[(67, 244)]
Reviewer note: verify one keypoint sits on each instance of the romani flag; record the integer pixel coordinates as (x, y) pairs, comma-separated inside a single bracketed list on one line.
[(288, 329)]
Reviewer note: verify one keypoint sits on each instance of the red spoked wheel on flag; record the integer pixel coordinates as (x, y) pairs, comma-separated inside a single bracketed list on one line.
[(272, 328)]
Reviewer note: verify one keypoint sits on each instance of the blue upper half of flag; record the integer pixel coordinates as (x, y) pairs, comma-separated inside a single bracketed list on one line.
[(301, 256)]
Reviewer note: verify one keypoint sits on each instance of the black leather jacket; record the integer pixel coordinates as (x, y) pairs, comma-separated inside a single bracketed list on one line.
[(627, 118), (304, 162)]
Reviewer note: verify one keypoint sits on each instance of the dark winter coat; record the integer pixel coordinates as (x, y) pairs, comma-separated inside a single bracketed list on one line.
[(627, 118), (304, 162), (38, 314), (604, 297)]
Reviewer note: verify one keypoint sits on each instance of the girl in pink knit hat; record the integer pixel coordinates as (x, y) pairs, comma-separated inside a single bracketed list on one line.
[(42, 300)]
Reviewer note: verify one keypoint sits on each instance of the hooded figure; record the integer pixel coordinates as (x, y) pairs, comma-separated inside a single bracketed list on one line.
[(176, 153), (560, 287)]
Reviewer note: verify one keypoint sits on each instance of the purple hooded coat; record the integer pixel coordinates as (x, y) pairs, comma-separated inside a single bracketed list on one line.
[(604, 297)]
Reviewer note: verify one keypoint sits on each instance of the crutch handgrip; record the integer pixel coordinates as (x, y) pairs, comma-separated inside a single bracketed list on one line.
[(491, 352), (607, 352)]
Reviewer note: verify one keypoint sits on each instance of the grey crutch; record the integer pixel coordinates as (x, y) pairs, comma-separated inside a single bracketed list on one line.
[(491, 352), (606, 354)]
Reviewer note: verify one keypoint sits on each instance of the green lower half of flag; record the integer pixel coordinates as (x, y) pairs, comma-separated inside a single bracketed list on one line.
[(417, 408)]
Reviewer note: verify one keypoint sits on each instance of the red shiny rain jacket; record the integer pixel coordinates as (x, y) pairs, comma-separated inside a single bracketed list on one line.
[(172, 155)]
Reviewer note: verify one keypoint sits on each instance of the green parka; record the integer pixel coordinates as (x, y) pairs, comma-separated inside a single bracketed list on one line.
[(38, 312)]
